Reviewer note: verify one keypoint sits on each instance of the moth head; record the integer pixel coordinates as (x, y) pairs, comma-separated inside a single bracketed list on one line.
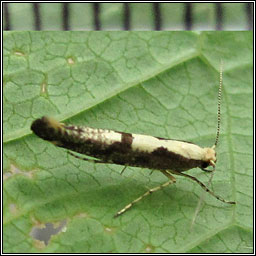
[(210, 156)]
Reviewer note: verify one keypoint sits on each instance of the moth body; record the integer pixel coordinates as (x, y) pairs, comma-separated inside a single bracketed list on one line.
[(125, 148)]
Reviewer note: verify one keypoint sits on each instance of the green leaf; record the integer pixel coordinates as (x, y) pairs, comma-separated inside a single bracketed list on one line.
[(157, 83)]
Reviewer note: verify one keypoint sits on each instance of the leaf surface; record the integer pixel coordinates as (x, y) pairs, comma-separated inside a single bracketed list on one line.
[(163, 84)]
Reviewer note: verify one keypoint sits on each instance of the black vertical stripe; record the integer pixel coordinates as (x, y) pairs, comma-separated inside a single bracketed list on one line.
[(65, 16), (188, 16), (248, 7), (219, 16), (126, 16), (157, 14), (127, 139), (36, 9), (6, 17), (96, 10)]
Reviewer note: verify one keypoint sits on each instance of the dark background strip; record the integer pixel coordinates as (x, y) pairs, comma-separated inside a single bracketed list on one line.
[(65, 16), (188, 16), (6, 17), (219, 16), (248, 9), (36, 11), (96, 11), (127, 16), (157, 14)]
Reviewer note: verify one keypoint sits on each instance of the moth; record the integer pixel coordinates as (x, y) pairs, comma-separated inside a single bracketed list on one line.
[(127, 149)]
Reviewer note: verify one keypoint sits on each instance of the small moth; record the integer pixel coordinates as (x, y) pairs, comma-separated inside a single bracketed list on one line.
[(127, 149)]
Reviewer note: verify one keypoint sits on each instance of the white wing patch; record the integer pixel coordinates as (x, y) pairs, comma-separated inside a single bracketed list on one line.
[(105, 136), (149, 144)]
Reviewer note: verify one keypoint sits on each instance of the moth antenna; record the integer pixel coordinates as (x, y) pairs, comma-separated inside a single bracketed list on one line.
[(219, 103), (199, 204)]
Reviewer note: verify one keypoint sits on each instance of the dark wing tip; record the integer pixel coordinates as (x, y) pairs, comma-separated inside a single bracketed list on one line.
[(45, 128)]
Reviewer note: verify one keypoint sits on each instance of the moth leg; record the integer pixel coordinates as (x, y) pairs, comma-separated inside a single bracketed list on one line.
[(206, 170), (204, 187), (86, 159), (168, 175), (123, 170), (128, 206)]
